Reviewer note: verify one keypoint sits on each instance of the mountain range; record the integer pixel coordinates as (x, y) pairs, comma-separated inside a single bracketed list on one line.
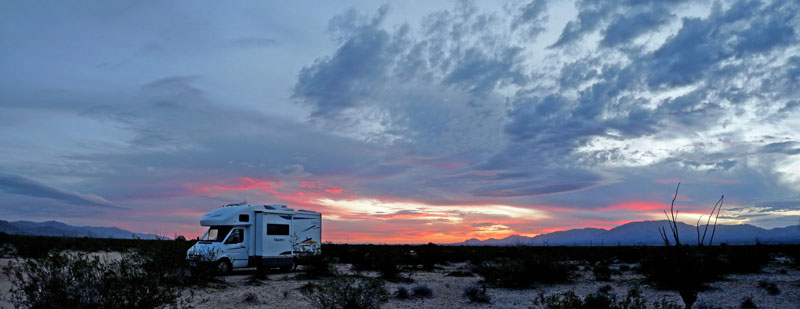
[(646, 233), (55, 228)]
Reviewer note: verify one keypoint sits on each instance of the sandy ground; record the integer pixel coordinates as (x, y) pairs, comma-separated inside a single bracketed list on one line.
[(281, 290)]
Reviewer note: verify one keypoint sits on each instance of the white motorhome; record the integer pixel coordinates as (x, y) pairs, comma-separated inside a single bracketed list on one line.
[(241, 235)]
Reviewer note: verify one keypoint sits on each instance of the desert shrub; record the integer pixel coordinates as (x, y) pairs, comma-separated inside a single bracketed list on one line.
[(566, 300), (460, 273), (569, 300), (521, 273), (347, 293), (402, 293), (7, 250), (665, 304), (422, 290), (740, 259), (477, 294), (316, 266), (770, 287), (79, 280), (683, 269), (624, 267), (601, 272), (748, 303), (250, 297)]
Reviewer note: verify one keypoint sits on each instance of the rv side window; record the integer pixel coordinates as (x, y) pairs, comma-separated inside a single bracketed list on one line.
[(244, 218), (236, 237), (277, 229)]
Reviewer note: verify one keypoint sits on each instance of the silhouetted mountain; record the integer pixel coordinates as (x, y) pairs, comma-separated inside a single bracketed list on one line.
[(646, 233), (55, 228)]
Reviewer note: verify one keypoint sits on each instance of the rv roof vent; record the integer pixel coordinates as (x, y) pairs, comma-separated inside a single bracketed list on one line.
[(269, 207), (303, 210), (275, 206), (235, 204)]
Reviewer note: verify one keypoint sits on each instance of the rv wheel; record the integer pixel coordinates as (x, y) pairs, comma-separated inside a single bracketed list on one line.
[(224, 267)]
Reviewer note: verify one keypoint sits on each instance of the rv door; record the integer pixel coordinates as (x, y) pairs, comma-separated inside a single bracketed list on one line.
[(235, 246)]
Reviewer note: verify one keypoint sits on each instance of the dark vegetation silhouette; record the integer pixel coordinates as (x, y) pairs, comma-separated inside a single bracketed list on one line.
[(688, 269)]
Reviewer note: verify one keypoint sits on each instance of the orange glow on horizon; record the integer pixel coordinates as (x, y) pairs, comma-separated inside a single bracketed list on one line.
[(388, 219)]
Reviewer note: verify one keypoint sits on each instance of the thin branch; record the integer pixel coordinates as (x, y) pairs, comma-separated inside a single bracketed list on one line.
[(697, 227), (674, 214), (721, 199), (717, 204)]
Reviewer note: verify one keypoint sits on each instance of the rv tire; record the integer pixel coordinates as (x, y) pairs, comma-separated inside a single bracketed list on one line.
[(224, 267)]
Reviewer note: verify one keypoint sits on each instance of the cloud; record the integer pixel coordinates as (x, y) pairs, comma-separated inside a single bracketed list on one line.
[(25, 186), (458, 106), (532, 17), (621, 20), (627, 27), (789, 148)]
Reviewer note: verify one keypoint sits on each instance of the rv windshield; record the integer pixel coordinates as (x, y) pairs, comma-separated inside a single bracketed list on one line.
[(216, 233)]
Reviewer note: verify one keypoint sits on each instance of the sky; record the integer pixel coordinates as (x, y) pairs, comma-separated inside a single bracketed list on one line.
[(402, 122)]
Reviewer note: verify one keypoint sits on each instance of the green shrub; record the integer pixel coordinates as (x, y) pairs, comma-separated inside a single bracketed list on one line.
[(82, 281), (347, 293)]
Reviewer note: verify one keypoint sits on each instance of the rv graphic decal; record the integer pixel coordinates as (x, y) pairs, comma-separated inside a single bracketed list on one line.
[(312, 227)]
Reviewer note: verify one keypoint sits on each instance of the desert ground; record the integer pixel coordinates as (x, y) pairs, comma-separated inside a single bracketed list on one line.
[(282, 290)]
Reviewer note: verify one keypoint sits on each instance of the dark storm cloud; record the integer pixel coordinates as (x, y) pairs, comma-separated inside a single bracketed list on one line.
[(623, 20), (627, 27), (25, 186), (702, 43)]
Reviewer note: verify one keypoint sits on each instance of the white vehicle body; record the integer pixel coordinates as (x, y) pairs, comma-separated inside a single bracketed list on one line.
[(257, 235)]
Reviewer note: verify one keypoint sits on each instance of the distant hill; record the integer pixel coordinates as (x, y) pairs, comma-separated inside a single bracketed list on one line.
[(646, 233), (55, 228)]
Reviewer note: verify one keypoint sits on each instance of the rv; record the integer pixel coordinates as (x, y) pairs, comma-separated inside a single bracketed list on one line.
[(241, 235)]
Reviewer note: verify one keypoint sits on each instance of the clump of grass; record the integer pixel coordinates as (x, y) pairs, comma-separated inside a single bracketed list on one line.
[(477, 294), (347, 293), (402, 293), (422, 290), (250, 297), (601, 272), (748, 303), (605, 289), (771, 287)]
